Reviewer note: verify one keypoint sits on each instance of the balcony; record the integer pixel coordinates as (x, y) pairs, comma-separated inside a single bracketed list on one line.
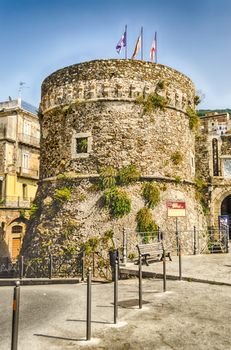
[(15, 202), (30, 173), (29, 140)]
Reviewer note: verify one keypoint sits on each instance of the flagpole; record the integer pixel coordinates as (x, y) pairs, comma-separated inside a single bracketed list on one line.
[(142, 47), (126, 47), (156, 47)]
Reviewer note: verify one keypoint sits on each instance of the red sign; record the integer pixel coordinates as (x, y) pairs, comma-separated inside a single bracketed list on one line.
[(176, 209)]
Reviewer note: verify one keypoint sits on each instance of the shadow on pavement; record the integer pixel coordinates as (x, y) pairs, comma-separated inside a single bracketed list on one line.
[(55, 337)]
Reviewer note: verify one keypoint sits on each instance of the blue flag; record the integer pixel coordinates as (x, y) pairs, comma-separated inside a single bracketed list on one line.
[(122, 42)]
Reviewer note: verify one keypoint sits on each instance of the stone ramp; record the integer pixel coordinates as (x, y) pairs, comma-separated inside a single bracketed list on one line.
[(209, 268)]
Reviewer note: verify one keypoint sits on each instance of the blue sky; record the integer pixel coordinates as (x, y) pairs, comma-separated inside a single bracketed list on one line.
[(41, 36)]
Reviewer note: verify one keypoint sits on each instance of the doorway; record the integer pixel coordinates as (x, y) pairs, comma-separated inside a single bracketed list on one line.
[(226, 210)]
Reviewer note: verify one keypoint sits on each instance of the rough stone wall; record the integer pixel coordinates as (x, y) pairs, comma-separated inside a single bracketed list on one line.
[(100, 98), (115, 79), (226, 145), (202, 156), (121, 133), (2, 156)]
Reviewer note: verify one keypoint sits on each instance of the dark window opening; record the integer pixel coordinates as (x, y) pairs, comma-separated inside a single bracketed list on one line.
[(24, 191), (81, 145), (17, 229), (215, 158)]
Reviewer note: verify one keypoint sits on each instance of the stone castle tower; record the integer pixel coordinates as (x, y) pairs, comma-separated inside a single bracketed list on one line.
[(94, 115)]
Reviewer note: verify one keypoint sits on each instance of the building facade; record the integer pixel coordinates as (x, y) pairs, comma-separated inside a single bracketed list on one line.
[(213, 153), (19, 171)]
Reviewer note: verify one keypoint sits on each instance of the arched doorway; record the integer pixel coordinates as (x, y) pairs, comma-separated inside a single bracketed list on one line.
[(226, 210)]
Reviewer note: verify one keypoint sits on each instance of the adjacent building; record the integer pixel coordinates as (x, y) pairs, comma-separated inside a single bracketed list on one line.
[(214, 163), (19, 171)]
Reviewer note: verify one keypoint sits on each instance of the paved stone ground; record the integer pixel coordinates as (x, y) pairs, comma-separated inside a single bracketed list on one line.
[(188, 316), (211, 267)]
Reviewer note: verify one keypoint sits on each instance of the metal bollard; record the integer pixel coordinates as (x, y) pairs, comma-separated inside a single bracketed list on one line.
[(21, 266), (194, 241), (164, 270), (15, 317), (140, 282), (82, 266), (89, 275), (180, 263), (50, 266), (116, 291), (124, 247)]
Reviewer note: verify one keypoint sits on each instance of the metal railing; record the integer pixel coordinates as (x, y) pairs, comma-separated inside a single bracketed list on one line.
[(15, 202)]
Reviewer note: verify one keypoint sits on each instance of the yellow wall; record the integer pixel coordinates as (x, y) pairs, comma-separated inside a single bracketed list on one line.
[(14, 186), (11, 185)]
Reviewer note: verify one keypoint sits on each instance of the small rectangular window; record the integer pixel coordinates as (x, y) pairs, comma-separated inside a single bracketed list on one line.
[(25, 161), (81, 145)]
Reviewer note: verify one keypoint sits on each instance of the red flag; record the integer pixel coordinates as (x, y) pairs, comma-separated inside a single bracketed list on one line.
[(153, 49), (137, 47)]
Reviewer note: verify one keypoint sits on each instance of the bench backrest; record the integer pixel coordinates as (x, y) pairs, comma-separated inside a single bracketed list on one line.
[(150, 248)]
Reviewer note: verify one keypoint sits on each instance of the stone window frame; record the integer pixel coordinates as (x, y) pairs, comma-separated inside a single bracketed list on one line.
[(77, 135), (223, 158)]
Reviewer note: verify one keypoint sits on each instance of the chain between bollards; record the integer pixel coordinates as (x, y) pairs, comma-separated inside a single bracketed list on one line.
[(89, 275), (15, 317), (116, 291), (140, 282)]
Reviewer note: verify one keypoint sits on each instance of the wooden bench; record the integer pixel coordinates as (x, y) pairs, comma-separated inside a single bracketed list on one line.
[(152, 251)]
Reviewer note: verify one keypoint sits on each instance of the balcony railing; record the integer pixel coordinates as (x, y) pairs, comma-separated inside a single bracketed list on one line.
[(15, 202), (29, 140), (34, 173)]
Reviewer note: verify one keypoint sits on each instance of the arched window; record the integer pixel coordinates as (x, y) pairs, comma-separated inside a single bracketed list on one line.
[(17, 229), (215, 158)]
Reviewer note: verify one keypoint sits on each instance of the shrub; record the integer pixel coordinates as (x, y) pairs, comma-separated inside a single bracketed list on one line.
[(117, 201), (194, 120), (177, 179), (197, 100), (107, 177), (62, 194), (145, 222), (128, 175), (151, 194), (152, 102), (33, 210), (91, 245), (177, 157)]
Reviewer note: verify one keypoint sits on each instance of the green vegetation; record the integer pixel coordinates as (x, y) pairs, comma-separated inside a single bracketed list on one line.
[(33, 210), (160, 85), (194, 120), (152, 102), (201, 194), (177, 179), (117, 201), (151, 194), (145, 222), (62, 194), (107, 177), (177, 157), (197, 100), (81, 145), (201, 112), (128, 174)]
